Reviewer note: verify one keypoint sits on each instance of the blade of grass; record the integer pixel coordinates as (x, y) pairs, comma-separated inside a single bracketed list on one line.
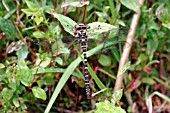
[(97, 80)]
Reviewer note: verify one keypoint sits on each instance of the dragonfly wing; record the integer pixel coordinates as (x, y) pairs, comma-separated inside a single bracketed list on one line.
[(124, 30), (97, 28)]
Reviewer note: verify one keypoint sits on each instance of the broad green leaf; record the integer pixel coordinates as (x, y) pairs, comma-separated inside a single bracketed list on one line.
[(151, 48), (159, 11), (8, 28), (12, 85), (64, 50), (39, 34), (22, 53), (23, 106), (59, 60), (49, 81), (39, 93), (25, 74), (66, 22), (7, 93), (15, 101), (104, 60), (167, 25), (2, 65), (31, 5), (107, 107), (38, 20), (43, 63), (29, 12), (131, 4), (147, 80), (101, 14), (56, 30), (141, 58), (97, 28), (74, 3)]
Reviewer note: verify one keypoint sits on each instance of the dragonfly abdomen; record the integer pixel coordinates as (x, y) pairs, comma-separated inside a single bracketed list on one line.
[(81, 35)]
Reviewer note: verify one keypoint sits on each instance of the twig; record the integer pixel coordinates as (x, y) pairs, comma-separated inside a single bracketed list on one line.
[(84, 15), (126, 49), (107, 73), (18, 16)]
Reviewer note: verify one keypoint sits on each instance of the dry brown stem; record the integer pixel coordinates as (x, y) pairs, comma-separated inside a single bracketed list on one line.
[(126, 49)]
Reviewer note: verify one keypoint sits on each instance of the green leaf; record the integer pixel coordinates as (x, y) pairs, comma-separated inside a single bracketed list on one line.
[(141, 58), (147, 80), (151, 48), (167, 25), (74, 3), (2, 65), (152, 62), (31, 5), (23, 106), (104, 60), (116, 54), (95, 77), (38, 20), (7, 93), (124, 68), (64, 50), (131, 4), (49, 81), (117, 96), (39, 34), (66, 22), (29, 12), (43, 63), (22, 53), (97, 28), (107, 107), (15, 101), (8, 28), (39, 93), (59, 60), (25, 74)]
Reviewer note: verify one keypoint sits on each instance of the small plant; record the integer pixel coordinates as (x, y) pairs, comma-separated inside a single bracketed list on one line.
[(111, 106)]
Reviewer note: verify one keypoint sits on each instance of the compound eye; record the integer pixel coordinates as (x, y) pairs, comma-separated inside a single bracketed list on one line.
[(84, 27), (78, 28), (75, 26)]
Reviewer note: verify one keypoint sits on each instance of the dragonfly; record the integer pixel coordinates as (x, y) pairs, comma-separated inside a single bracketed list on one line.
[(84, 32)]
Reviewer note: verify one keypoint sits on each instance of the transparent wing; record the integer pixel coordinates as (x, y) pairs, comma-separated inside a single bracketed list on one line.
[(97, 28)]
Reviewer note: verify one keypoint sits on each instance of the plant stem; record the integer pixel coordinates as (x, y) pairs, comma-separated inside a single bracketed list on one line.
[(126, 49)]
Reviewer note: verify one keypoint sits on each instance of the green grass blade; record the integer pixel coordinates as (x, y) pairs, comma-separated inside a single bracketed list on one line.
[(97, 80)]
